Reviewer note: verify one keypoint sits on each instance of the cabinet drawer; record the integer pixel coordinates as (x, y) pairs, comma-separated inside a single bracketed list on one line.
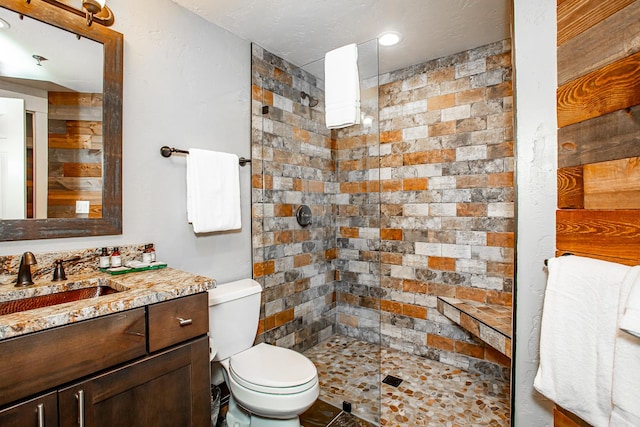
[(43, 360), (41, 411), (178, 320)]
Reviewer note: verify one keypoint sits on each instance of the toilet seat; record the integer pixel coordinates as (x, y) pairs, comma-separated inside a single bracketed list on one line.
[(274, 370)]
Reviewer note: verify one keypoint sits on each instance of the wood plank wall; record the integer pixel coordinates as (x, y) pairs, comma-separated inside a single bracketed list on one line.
[(598, 105), (599, 129), (75, 153)]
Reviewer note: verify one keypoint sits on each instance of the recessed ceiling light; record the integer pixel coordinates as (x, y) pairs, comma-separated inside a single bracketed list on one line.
[(389, 38), (4, 25)]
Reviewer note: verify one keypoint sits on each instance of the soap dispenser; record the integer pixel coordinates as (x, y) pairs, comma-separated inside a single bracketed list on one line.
[(152, 252), (146, 254), (104, 261), (116, 259)]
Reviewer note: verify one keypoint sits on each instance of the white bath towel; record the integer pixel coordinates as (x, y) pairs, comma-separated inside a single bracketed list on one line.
[(626, 362), (630, 321), (342, 87), (579, 323), (213, 191), (620, 418)]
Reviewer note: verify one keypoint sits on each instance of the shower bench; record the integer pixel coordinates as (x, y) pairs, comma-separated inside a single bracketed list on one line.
[(490, 323)]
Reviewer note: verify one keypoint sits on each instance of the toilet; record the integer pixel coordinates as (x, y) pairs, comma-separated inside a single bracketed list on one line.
[(270, 386)]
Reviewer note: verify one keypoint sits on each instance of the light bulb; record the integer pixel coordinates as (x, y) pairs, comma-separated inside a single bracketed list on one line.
[(389, 38), (4, 25), (93, 6)]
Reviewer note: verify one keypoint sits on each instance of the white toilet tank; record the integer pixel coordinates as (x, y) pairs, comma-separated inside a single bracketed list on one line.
[(234, 312)]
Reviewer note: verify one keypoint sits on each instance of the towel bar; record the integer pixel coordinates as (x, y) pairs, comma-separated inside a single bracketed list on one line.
[(168, 151), (546, 261)]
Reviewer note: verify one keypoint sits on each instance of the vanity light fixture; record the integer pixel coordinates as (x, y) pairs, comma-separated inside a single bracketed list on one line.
[(94, 10), (389, 38)]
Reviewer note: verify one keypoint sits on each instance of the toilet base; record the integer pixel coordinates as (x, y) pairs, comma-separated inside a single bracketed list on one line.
[(238, 417)]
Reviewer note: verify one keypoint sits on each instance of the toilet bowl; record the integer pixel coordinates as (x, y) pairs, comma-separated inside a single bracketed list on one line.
[(272, 381), (269, 386)]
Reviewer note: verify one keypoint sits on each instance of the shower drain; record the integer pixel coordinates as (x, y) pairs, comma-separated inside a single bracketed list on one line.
[(392, 381)]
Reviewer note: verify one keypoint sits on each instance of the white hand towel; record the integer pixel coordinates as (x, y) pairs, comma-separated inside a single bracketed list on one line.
[(213, 191), (626, 363), (342, 87), (579, 322)]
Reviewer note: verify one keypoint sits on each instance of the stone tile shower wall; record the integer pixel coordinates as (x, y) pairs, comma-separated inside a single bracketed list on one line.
[(292, 164), (427, 211), (447, 196)]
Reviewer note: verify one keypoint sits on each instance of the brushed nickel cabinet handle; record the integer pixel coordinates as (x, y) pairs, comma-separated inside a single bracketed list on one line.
[(40, 410), (184, 322), (80, 397)]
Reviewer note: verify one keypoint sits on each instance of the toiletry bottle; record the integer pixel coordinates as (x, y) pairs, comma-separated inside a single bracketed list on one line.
[(146, 254), (105, 262), (152, 251), (116, 260)]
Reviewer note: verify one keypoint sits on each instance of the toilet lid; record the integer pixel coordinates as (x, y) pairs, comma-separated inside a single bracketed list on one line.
[(269, 366)]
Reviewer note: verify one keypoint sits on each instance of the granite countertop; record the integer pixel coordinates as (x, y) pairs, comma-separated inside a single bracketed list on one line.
[(137, 289)]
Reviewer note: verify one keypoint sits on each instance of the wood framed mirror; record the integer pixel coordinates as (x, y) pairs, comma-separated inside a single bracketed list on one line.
[(108, 221)]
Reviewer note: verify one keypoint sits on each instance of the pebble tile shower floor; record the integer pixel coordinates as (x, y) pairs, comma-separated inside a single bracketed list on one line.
[(431, 394)]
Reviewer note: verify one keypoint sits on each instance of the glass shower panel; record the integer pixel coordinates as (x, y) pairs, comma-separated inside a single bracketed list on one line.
[(257, 178), (294, 262), (351, 358), (321, 281)]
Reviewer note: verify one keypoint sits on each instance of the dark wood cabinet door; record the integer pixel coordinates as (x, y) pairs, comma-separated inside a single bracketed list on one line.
[(39, 412), (69, 352), (168, 389)]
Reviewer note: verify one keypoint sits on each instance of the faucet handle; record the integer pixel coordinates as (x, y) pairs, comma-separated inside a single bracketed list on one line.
[(58, 271)]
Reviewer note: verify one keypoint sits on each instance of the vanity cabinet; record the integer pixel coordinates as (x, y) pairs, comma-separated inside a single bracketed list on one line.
[(142, 367), (39, 411), (165, 389), (43, 360)]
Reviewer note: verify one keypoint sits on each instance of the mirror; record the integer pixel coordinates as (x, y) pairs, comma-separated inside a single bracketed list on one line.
[(79, 128), (50, 121)]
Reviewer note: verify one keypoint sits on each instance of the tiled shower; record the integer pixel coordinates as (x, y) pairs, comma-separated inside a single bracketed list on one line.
[(413, 204)]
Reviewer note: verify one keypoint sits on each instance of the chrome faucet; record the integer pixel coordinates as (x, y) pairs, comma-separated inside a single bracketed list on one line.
[(24, 272)]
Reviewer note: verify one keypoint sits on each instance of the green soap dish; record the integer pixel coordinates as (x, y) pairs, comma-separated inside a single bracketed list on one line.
[(124, 270)]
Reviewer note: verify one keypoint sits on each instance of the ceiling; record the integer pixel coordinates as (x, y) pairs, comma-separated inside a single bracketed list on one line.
[(302, 31)]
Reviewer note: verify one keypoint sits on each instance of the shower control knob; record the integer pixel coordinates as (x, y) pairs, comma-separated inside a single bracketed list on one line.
[(303, 215)]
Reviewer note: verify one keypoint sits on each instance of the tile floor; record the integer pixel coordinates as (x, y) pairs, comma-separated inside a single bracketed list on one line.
[(322, 414), (432, 393)]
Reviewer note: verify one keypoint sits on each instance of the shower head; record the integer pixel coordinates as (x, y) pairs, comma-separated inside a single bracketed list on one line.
[(313, 101)]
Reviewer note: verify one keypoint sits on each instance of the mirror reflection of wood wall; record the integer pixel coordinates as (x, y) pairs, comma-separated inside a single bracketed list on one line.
[(75, 153)]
